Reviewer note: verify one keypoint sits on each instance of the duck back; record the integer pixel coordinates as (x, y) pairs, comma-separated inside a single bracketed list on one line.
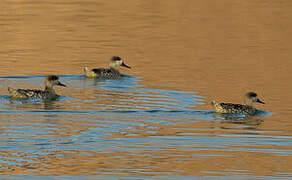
[(31, 93), (110, 73), (234, 108)]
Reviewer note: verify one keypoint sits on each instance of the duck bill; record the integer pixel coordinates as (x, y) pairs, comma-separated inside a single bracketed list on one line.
[(259, 101), (123, 64), (60, 84)]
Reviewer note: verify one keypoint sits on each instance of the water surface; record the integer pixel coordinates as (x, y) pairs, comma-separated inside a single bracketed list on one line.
[(155, 123)]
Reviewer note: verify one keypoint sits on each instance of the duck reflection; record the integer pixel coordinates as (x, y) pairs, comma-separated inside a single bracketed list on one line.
[(252, 121), (33, 104)]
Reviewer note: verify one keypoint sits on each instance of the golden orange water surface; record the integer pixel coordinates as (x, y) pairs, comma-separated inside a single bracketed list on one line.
[(219, 49)]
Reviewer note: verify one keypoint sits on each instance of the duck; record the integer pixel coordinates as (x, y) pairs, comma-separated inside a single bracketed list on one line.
[(47, 94), (246, 108), (108, 73)]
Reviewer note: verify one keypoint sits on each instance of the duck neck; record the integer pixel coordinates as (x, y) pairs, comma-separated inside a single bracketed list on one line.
[(113, 65), (50, 89), (114, 68), (248, 102)]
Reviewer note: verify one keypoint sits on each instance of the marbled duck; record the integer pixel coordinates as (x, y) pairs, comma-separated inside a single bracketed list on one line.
[(48, 93), (108, 73), (245, 108)]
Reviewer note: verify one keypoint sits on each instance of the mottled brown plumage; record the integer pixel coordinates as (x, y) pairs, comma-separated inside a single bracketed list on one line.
[(48, 93), (245, 108), (108, 73)]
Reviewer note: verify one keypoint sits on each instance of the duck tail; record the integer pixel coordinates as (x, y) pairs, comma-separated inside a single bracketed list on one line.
[(11, 90), (213, 103), (85, 69), (89, 73)]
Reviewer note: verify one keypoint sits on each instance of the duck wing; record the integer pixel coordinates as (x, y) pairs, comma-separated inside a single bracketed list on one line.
[(26, 93), (237, 108), (106, 73), (98, 70)]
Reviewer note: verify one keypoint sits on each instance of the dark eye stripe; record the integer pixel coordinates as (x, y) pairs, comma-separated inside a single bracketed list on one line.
[(116, 58), (52, 78), (252, 94)]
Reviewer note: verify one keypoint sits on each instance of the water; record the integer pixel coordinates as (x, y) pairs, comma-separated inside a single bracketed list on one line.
[(156, 122)]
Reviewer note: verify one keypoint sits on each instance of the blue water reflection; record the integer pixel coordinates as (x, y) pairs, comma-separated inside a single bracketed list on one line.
[(119, 116)]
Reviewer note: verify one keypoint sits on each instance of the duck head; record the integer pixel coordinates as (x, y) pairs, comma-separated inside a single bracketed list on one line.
[(53, 80), (252, 97), (116, 61)]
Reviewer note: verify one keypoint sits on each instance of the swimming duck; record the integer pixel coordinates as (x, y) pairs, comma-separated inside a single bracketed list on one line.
[(48, 93), (245, 108), (109, 73)]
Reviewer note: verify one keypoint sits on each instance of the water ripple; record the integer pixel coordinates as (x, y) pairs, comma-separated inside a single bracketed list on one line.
[(94, 117)]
